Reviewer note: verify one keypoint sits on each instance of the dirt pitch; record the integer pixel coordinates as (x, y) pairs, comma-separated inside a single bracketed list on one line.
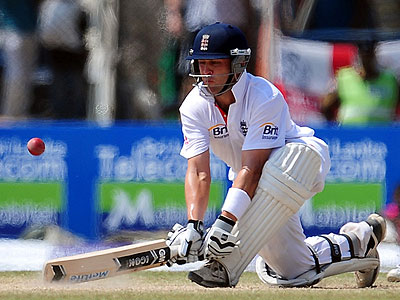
[(174, 285)]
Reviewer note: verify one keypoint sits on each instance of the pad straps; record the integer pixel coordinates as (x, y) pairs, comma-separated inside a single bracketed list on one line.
[(336, 254), (352, 240), (316, 260)]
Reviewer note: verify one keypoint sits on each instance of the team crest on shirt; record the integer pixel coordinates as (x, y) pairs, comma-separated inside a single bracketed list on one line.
[(204, 42), (270, 131), (243, 127), (219, 131)]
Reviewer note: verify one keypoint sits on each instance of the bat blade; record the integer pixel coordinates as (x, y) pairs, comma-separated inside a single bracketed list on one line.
[(107, 263)]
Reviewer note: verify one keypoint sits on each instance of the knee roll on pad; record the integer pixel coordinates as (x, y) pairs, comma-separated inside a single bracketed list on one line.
[(292, 172), (285, 184)]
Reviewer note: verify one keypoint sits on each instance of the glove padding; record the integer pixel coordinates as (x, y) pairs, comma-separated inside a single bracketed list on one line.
[(189, 240), (219, 242)]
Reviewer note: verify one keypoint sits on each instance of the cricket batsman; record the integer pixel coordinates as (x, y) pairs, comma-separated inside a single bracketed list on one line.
[(275, 166)]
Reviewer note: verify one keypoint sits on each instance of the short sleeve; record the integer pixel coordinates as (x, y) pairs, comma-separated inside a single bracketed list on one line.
[(267, 124), (195, 133)]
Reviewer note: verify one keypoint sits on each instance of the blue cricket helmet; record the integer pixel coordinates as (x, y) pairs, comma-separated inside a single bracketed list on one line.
[(217, 41), (220, 41)]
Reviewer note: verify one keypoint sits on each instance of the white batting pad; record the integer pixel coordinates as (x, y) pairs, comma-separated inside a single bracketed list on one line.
[(312, 277), (286, 183)]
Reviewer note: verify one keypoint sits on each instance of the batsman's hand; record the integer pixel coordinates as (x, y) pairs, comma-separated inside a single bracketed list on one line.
[(219, 242), (189, 240)]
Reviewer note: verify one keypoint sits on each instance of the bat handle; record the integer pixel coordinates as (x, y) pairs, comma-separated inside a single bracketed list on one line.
[(174, 251)]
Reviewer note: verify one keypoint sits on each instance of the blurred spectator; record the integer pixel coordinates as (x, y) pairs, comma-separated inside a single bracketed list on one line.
[(392, 212), (62, 25), (184, 18), (392, 215), (306, 72), (18, 19), (139, 48), (364, 95)]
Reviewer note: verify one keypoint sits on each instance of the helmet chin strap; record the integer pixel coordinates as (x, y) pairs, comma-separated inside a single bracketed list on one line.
[(227, 86)]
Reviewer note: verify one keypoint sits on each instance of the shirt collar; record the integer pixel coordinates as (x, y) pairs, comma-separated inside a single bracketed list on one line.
[(239, 88)]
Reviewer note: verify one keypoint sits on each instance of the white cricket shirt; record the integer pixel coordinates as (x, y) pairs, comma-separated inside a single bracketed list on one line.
[(259, 119)]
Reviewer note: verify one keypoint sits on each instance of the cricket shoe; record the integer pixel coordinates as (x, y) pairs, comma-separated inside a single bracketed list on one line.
[(366, 278), (394, 275), (213, 274)]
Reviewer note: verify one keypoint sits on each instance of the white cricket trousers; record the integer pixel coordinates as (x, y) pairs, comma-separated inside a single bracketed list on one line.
[(287, 252)]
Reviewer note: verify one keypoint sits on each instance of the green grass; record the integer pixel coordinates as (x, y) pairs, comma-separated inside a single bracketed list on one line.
[(174, 285)]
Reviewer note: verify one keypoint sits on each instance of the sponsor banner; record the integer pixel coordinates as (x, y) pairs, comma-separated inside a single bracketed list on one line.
[(26, 204), (361, 181), (150, 206), (143, 188), (31, 188), (94, 181), (340, 203), (86, 169)]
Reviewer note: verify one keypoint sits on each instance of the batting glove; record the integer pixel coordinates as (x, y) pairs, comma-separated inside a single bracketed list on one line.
[(189, 240), (219, 242)]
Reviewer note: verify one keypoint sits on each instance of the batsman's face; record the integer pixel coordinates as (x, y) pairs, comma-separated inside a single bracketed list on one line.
[(218, 72)]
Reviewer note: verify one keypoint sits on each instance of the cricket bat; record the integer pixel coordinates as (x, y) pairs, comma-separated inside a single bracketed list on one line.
[(107, 263)]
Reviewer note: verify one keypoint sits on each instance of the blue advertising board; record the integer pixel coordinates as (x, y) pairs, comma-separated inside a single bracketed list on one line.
[(97, 180), (362, 179)]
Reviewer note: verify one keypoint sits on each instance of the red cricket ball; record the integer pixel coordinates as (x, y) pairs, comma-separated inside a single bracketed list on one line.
[(36, 146)]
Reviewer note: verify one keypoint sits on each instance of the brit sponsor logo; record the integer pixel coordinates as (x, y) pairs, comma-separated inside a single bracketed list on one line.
[(270, 131), (88, 277), (219, 131)]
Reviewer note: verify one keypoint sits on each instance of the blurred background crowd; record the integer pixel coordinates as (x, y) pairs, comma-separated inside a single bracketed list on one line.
[(335, 61)]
